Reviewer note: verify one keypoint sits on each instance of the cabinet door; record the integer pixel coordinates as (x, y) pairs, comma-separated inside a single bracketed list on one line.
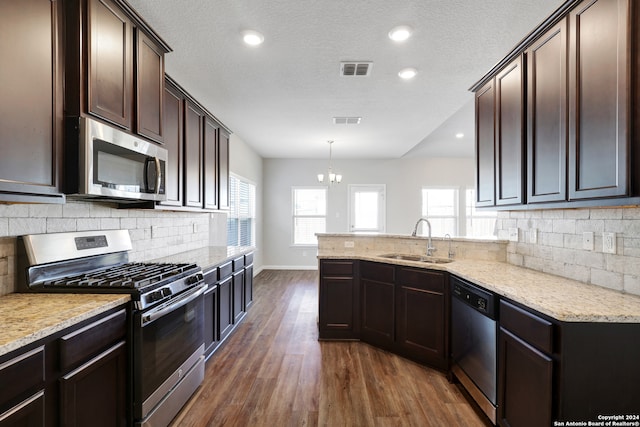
[(225, 308), (547, 116), (110, 63), (173, 142), (421, 316), (485, 146), (223, 173), (338, 296), (30, 90), (210, 318), (509, 136), (599, 99), (150, 88), (193, 128), (525, 383), (248, 286), (95, 393), (378, 312), (210, 164), (238, 296)]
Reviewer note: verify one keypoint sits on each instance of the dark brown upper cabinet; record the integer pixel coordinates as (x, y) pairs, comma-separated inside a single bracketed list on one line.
[(150, 87), (31, 115), (599, 97), (114, 66), (547, 116), (109, 63), (509, 136), (174, 143), (223, 170), (582, 109), (193, 146), (210, 164), (485, 145)]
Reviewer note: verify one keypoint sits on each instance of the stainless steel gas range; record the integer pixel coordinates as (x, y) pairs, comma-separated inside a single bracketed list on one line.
[(166, 314)]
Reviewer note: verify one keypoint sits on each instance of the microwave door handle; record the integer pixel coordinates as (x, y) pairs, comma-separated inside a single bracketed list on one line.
[(157, 313), (158, 175)]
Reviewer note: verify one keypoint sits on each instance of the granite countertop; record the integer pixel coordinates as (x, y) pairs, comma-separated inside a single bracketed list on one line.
[(26, 318), (560, 298), (208, 257)]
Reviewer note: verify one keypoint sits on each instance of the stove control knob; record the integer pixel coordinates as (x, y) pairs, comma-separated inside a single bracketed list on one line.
[(166, 292)]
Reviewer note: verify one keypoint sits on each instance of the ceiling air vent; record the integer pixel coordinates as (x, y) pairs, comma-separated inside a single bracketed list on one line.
[(355, 69), (347, 120)]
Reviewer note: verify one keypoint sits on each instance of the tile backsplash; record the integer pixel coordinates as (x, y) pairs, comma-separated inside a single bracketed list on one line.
[(154, 233), (558, 246)]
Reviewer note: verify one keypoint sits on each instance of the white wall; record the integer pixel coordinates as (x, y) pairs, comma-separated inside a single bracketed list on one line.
[(403, 178)]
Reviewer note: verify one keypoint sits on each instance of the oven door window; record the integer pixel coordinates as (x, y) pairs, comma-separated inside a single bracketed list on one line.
[(160, 347)]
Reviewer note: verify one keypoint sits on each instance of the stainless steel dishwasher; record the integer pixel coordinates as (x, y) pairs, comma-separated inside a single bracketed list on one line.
[(474, 342)]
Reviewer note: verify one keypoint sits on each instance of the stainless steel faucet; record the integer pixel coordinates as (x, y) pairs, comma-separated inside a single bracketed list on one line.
[(430, 248)]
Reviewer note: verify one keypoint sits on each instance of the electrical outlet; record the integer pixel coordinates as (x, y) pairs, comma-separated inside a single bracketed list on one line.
[(513, 234), (587, 240), (349, 244), (533, 236), (609, 243)]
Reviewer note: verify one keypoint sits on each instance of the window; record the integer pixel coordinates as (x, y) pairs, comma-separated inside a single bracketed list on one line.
[(309, 214), (440, 206), (367, 208), (453, 211), (241, 221), (480, 223)]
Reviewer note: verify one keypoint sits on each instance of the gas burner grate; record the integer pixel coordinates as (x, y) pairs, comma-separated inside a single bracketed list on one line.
[(125, 276)]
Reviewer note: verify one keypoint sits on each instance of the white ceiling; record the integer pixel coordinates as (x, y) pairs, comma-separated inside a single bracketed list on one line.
[(280, 97)]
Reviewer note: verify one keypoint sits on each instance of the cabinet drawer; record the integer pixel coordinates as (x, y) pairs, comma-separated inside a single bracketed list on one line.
[(225, 271), (422, 279), (248, 259), (21, 374), (238, 264), (336, 268), (378, 272), (533, 329), (80, 345)]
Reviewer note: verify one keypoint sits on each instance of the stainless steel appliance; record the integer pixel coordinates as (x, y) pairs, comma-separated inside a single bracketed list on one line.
[(474, 343), (111, 163), (166, 313)]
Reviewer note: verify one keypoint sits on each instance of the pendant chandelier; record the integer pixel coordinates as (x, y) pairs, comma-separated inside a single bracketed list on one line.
[(333, 177)]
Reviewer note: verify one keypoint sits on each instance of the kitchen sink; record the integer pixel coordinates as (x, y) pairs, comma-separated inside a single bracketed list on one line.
[(417, 258)]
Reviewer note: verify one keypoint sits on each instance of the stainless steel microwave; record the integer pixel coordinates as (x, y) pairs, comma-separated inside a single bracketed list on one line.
[(113, 164)]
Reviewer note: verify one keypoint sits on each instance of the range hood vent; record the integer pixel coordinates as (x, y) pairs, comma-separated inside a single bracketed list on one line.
[(355, 69), (347, 120)]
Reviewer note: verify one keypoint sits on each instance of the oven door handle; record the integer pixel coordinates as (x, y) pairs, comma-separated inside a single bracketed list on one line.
[(167, 308)]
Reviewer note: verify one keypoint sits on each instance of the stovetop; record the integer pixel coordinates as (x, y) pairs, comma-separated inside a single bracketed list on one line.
[(131, 276)]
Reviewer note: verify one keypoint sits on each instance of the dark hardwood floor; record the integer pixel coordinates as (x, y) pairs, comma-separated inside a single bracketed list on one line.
[(273, 371)]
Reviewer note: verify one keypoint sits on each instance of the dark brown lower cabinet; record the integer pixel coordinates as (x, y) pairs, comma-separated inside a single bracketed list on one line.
[(378, 307), (248, 285), (338, 303), (525, 383), (225, 307), (211, 313), (238, 295), (95, 393), (76, 377), (422, 316)]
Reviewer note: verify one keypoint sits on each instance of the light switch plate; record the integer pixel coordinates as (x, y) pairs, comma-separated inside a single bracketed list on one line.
[(609, 243), (587, 240), (348, 244), (513, 234), (533, 236)]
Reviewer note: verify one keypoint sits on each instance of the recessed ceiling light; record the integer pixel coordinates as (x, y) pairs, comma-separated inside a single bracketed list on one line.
[(252, 38), (408, 73), (400, 33), (459, 135)]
